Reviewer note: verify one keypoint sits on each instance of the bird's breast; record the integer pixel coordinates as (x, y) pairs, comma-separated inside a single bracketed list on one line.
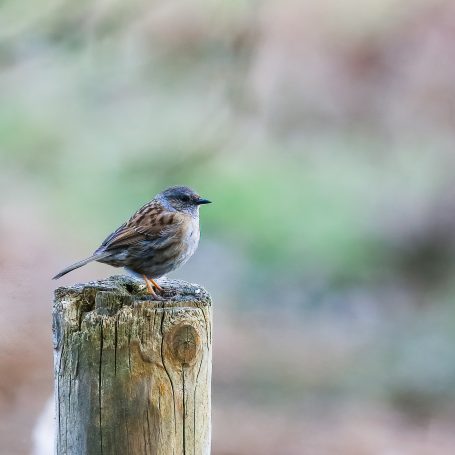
[(190, 238)]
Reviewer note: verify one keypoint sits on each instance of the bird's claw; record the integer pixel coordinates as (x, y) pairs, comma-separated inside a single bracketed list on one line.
[(152, 288)]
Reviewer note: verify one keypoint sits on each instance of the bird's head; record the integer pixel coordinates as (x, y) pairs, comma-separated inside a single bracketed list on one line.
[(182, 199)]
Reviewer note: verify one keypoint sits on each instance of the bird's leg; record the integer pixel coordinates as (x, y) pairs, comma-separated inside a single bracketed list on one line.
[(157, 286), (150, 289)]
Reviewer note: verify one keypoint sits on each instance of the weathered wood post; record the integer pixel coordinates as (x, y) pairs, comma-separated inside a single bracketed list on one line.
[(132, 375)]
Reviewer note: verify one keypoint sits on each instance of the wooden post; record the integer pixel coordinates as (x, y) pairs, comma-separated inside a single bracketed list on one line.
[(132, 376)]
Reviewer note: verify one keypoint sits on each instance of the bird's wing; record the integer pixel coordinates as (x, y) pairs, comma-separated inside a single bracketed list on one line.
[(151, 222)]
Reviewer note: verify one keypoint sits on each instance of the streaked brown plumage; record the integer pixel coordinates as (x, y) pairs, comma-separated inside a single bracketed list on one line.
[(158, 238)]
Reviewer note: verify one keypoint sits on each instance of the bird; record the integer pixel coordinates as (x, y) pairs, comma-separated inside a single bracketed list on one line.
[(160, 237)]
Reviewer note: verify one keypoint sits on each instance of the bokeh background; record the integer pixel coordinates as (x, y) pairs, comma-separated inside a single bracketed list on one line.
[(324, 134)]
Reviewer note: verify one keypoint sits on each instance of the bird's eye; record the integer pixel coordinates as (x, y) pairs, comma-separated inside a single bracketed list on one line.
[(186, 198)]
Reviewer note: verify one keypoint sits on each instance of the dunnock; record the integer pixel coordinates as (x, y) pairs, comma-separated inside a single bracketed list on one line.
[(161, 236)]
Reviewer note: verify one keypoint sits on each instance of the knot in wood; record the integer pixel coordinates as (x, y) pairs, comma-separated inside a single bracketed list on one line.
[(185, 344)]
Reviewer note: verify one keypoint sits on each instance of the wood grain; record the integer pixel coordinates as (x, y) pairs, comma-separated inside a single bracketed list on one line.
[(132, 376)]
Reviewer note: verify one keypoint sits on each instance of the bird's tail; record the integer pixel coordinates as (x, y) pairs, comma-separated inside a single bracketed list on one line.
[(70, 268)]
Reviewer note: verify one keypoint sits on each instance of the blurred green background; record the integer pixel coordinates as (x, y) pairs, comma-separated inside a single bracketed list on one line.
[(324, 134)]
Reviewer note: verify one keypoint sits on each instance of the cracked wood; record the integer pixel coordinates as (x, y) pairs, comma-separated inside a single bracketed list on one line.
[(132, 376)]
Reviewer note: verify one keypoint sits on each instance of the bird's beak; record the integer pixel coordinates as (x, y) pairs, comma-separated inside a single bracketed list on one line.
[(203, 201)]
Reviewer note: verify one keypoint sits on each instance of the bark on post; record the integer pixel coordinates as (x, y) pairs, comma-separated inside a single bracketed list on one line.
[(132, 376)]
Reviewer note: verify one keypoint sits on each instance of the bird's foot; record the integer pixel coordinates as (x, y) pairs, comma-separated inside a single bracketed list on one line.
[(150, 283), (157, 286)]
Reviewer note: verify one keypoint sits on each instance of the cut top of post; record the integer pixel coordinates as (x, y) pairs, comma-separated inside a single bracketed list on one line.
[(134, 291)]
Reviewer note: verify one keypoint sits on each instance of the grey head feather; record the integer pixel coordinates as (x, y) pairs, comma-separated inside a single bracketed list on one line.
[(180, 199)]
